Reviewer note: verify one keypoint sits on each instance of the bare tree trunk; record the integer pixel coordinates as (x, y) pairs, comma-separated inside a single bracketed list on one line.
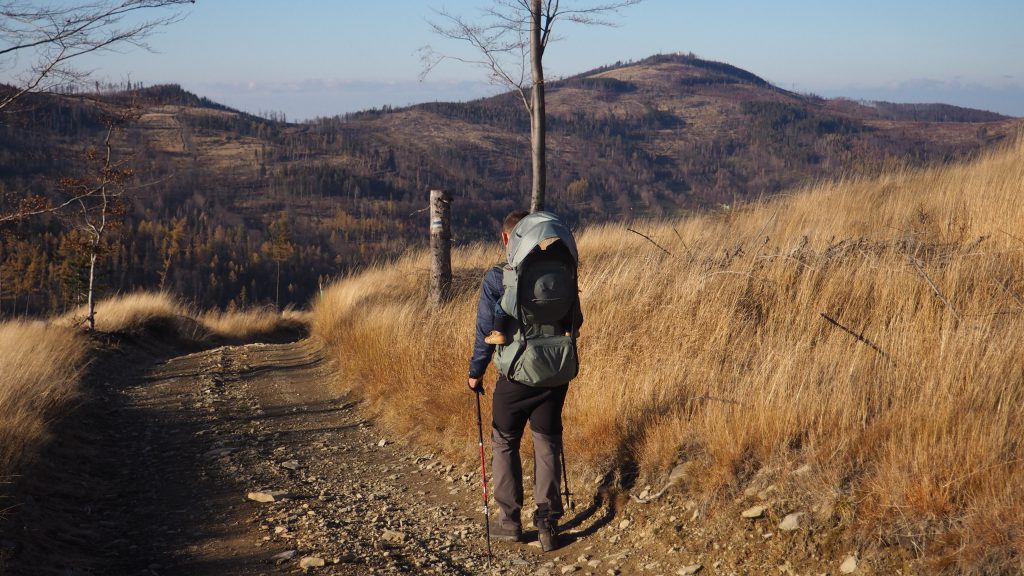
[(440, 247), (499, 41), (537, 118), (92, 299)]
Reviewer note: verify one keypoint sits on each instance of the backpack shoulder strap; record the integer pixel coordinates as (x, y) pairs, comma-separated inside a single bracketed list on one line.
[(510, 287)]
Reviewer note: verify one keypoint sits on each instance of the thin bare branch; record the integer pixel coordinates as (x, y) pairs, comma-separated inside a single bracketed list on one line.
[(49, 209), (593, 15), (509, 40), (860, 337), (500, 38), (1006, 288), (493, 43), (685, 245), (649, 239), (935, 288), (1017, 238), (54, 36)]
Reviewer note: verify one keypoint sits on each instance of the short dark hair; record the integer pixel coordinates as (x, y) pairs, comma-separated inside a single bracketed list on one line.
[(512, 219)]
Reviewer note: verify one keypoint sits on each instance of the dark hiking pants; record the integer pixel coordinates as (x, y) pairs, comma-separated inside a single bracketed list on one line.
[(513, 405)]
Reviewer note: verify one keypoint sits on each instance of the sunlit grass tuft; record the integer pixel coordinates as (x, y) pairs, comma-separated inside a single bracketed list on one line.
[(39, 370), (165, 312)]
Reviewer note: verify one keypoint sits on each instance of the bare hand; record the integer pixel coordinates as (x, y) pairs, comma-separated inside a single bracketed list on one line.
[(475, 384)]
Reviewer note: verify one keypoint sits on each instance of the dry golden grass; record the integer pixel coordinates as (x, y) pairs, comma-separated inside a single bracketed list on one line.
[(40, 367), (249, 324), (718, 354), (131, 312), (165, 312)]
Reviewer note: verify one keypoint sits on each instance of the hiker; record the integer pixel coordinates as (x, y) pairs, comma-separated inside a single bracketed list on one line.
[(538, 290)]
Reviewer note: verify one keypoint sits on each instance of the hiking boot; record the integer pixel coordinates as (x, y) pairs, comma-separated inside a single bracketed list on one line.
[(514, 533), (547, 535), (496, 337)]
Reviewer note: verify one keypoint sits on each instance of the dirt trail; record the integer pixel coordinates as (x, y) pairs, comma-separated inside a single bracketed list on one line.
[(167, 452)]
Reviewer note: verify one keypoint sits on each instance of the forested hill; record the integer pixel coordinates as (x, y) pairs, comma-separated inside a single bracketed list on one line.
[(220, 199)]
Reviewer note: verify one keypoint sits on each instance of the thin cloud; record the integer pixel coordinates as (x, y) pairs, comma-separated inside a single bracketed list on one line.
[(314, 97), (1004, 98)]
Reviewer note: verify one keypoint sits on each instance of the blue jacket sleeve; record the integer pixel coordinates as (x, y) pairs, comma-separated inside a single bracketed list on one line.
[(490, 292)]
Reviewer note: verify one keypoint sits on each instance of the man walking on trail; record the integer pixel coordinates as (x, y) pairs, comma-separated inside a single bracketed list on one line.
[(539, 402)]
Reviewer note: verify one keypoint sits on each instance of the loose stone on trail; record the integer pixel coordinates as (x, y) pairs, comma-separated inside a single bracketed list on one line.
[(283, 556), (790, 522), (311, 562), (754, 512), (267, 496)]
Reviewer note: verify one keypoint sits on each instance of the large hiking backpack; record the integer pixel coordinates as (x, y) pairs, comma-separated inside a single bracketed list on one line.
[(541, 301)]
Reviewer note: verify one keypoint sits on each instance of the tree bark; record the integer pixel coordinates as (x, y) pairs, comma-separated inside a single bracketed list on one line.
[(440, 247), (92, 299), (537, 119)]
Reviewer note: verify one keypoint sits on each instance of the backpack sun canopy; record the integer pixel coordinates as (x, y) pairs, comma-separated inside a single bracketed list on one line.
[(534, 230)]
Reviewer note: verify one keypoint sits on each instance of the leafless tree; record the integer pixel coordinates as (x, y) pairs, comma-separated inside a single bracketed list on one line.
[(97, 204), (281, 250), (50, 36), (509, 38)]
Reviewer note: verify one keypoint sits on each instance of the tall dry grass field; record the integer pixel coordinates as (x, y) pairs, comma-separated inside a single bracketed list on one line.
[(718, 354), (40, 366)]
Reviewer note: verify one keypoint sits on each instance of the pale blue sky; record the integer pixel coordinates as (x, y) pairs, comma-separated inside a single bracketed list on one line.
[(309, 58)]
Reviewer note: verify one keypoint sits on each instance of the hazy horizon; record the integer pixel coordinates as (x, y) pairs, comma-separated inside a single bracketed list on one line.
[(324, 59), (259, 99)]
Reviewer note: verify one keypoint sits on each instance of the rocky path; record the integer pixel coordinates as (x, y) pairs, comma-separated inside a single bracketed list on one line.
[(243, 460), (312, 484)]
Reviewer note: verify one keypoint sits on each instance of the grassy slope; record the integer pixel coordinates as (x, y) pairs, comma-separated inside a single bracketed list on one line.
[(718, 354)]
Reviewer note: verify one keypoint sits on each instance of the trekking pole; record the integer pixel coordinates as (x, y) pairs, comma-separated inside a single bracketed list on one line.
[(483, 473), (573, 331), (565, 482)]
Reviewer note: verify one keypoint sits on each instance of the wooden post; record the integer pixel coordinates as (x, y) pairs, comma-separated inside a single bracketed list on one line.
[(440, 247)]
